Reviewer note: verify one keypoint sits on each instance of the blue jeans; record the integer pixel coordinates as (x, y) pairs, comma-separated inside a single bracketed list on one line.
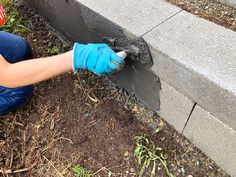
[(14, 49)]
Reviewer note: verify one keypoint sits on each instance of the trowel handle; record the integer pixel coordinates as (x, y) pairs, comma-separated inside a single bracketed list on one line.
[(122, 54)]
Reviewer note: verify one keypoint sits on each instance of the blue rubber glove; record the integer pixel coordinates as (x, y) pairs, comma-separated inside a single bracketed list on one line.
[(98, 58)]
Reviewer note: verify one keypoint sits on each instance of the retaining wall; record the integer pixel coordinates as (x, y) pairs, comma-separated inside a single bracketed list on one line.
[(192, 83)]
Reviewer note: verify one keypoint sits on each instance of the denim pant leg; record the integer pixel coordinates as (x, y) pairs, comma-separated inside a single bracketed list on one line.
[(14, 49)]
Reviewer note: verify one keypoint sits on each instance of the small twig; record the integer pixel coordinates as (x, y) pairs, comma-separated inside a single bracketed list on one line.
[(92, 124), (5, 171), (22, 170), (55, 140), (95, 100), (23, 147), (12, 156), (10, 171), (127, 100), (101, 169), (70, 164), (67, 139), (53, 166)]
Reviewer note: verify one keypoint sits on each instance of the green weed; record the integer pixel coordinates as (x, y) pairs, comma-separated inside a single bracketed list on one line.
[(81, 172), (149, 154), (54, 50), (14, 23), (6, 2)]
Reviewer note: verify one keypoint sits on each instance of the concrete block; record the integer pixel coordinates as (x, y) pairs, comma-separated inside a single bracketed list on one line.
[(198, 58), (175, 108), (229, 2), (135, 16), (213, 137)]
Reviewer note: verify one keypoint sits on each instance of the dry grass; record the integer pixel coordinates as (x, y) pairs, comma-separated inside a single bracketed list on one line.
[(32, 151)]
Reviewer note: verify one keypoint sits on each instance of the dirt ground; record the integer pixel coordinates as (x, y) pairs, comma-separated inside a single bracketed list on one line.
[(211, 10), (82, 119)]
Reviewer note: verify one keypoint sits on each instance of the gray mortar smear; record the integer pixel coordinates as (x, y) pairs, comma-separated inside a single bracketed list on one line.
[(137, 79), (79, 23), (116, 37), (137, 48)]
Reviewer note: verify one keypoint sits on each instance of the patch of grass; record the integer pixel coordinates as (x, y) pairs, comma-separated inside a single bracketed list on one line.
[(149, 154), (14, 23), (81, 172), (6, 2), (54, 50)]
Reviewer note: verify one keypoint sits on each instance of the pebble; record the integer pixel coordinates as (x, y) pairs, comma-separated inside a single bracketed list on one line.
[(126, 154), (197, 163), (183, 170), (86, 115)]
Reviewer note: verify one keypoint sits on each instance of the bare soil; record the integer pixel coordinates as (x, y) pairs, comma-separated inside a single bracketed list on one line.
[(211, 10), (81, 119)]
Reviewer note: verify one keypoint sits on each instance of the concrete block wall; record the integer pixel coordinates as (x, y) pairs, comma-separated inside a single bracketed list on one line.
[(216, 138), (198, 58), (192, 82), (175, 107)]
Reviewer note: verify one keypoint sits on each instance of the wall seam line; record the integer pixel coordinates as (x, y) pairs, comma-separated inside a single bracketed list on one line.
[(190, 114), (161, 23)]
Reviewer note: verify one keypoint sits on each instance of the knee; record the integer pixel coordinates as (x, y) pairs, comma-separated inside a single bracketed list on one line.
[(23, 49), (27, 49), (14, 48), (11, 99)]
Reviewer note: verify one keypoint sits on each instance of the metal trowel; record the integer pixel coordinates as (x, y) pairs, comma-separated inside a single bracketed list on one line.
[(136, 49)]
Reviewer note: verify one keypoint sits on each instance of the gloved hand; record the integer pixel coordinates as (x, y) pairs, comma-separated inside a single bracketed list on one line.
[(98, 58)]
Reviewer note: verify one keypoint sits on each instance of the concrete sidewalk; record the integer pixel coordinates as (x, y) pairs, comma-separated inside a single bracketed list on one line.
[(229, 2), (192, 83)]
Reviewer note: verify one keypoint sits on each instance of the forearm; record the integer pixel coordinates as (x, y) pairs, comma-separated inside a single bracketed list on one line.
[(33, 71)]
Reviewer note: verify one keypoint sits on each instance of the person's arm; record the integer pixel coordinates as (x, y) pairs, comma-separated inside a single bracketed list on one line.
[(98, 58), (33, 71)]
